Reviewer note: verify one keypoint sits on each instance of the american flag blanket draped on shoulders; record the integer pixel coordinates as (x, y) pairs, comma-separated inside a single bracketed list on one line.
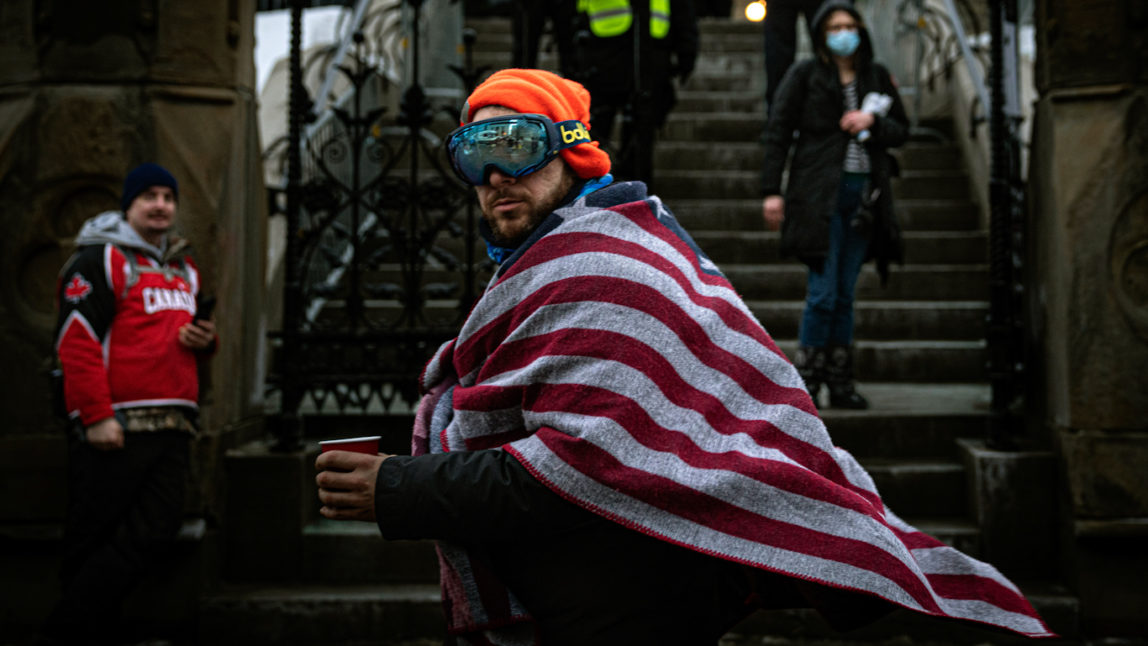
[(617, 364)]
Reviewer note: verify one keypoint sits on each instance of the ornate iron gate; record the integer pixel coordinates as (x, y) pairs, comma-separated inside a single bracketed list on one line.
[(380, 264)]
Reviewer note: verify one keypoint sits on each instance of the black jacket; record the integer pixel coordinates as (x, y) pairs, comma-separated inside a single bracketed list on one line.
[(585, 579), (809, 103)]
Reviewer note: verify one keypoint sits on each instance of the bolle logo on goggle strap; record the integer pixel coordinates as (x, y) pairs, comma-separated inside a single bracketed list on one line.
[(573, 132)]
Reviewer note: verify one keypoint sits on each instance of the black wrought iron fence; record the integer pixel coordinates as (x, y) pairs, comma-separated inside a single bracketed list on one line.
[(381, 262)]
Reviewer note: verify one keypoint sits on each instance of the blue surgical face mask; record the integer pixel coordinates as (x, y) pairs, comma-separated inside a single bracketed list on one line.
[(843, 42)]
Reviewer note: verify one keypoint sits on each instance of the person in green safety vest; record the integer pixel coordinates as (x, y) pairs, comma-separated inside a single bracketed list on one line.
[(634, 79)]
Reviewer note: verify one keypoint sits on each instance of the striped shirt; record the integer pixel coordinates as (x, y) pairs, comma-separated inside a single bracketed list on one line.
[(856, 158)]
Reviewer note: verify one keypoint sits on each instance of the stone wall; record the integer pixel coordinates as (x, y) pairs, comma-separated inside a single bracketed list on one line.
[(1088, 295), (87, 91)]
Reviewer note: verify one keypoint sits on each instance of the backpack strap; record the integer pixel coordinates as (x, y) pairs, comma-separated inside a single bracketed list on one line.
[(176, 267)]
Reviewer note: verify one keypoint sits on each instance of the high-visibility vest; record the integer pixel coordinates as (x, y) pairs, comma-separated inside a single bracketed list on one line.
[(614, 17)]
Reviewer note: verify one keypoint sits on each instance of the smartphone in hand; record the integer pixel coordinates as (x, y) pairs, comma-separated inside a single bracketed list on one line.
[(204, 306)]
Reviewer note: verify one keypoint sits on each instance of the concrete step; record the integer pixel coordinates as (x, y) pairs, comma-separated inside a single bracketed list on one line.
[(735, 59), (321, 614), (787, 281), (934, 214), (940, 247), (672, 154), (912, 361), (726, 28), (929, 156), (744, 214), (721, 51), (350, 552), (707, 182), (721, 65), (714, 33), (910, 420), (748, 102), (723, 182), (954, 531), (714, 126), (918, 488), (716, 81), (942, 184), (496, 56), (887, 320), (691, 156)]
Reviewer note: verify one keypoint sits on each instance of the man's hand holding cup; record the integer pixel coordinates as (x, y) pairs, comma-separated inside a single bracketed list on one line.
[(347, 472)]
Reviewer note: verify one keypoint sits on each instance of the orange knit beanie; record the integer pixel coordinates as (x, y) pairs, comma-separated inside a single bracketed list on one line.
[(545, 93)]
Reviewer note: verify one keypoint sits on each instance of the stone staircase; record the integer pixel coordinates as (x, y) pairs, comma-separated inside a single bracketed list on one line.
[(920, 358)]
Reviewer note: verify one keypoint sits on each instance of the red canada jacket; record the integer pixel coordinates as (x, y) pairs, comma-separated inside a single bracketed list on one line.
[(121, 303)]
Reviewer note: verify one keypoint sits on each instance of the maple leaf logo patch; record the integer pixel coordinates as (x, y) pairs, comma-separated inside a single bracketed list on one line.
[(77, 289)]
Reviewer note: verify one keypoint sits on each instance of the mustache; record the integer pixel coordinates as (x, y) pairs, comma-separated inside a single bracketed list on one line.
[(504, 194)]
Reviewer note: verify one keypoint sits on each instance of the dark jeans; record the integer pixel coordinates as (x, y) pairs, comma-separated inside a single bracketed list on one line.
[(828, 317), (124, 507)]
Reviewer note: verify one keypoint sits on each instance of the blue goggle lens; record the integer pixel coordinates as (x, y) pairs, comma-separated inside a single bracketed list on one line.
[(514, 145)]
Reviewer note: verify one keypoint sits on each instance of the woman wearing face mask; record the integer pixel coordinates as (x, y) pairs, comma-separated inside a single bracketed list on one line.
[(840, 112)]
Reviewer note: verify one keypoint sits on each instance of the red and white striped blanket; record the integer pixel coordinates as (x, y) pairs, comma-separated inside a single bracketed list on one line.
[(617, 364)]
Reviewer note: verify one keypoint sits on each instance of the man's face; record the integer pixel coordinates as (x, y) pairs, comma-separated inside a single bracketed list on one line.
[(152, 213), (514, 207)]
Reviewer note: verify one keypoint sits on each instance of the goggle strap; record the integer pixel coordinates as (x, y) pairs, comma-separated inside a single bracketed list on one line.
[(571, 133)]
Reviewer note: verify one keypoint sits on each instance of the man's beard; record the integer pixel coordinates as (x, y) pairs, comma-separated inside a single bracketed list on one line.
[(534, 217)]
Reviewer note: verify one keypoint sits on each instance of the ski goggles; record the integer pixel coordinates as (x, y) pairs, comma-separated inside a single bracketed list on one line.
[(516, 145)]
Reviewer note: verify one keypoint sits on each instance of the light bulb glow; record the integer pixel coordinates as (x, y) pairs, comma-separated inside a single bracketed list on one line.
[(755, 11)]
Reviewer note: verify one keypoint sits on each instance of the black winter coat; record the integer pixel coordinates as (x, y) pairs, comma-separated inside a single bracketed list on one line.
[(810, 101)]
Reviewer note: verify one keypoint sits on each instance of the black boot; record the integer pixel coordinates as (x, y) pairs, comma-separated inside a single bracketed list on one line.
[(839, 378), (810, 364)]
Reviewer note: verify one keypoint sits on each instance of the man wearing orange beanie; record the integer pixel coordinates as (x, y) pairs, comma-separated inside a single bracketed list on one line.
[(515, 192), (613, 450)]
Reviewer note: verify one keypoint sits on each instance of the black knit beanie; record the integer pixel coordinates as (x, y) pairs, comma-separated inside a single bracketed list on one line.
[(144, 177)]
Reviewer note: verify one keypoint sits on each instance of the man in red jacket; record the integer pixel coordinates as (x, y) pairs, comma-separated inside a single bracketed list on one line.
[(128, 341)]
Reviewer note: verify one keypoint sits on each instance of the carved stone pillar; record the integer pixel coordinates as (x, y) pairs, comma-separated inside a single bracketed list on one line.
[(87, 91), (1088, 293)]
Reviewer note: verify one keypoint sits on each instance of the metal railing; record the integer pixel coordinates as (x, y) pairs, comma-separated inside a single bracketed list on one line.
[(381, 263), (923, 41), (1005, 324), (941, 33)]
